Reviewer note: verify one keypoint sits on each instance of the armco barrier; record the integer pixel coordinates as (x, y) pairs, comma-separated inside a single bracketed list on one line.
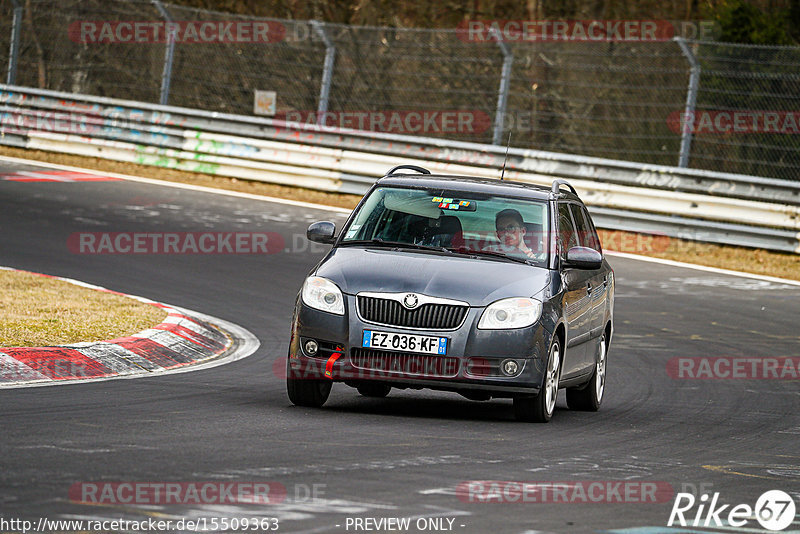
[(693, 204)]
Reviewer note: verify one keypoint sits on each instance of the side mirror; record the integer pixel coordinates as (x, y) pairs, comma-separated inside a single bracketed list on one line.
[(584, 258), (321, 232)]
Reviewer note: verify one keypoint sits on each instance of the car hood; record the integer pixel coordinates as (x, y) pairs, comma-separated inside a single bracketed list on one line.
[(477, 281)]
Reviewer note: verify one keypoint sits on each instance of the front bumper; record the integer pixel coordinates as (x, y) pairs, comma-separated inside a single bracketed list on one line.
[(472, 361)]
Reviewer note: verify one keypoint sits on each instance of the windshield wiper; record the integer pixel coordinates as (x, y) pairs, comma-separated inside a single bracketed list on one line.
[(494, 253), (460, 250), (396, 244)]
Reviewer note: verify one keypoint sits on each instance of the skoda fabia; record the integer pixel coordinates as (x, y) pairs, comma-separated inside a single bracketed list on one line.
[(482, 287)]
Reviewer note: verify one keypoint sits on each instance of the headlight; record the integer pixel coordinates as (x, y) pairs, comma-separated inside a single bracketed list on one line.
[(322, 294), (516, 312)]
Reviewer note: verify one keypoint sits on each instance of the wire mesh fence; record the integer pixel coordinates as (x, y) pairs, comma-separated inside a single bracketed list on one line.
[(749, 105), (621, 100)]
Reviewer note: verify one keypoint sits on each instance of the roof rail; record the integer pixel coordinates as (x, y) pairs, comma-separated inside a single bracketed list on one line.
[(557, 183), (420, 170)]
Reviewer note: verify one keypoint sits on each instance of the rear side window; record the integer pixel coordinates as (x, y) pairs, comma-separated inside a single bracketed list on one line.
[(587, 235), (567, 235)]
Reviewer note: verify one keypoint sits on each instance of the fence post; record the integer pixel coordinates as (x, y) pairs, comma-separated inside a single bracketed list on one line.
[(502, 94), (13, 51), (691, 101), (169, 54), (327, 71)]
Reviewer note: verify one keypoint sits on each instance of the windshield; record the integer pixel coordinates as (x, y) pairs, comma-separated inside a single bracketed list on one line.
[(460, 222)]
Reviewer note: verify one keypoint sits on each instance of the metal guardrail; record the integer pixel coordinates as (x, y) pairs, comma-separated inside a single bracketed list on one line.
[(693, 204)]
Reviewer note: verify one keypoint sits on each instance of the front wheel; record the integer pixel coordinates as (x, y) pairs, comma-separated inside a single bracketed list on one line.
[(307, 392), (540, 408), (589, 397)]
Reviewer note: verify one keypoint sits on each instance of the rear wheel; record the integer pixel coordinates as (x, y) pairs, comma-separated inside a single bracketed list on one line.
[(540, 408), (369, 389), (590, 397)]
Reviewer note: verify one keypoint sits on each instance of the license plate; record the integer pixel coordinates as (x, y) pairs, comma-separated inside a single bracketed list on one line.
[(404, 342)]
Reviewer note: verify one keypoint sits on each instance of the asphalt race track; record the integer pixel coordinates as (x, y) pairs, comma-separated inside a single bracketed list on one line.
[(403, 456)]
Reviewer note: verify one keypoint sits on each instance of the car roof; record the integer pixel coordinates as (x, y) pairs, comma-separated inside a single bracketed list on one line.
[(492, 186)]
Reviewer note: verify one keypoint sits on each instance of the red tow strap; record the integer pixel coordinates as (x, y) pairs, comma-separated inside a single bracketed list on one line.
[(329, 365)]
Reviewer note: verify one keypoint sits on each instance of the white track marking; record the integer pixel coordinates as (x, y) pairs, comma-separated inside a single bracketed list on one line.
[(716, 270)]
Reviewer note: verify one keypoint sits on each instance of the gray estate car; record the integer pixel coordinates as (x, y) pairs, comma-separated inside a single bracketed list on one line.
[(482, 287)]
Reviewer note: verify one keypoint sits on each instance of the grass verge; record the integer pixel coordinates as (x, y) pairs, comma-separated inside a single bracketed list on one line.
[(38, 311)]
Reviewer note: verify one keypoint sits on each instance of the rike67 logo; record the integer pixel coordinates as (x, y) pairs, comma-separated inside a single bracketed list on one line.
[(774, 510)]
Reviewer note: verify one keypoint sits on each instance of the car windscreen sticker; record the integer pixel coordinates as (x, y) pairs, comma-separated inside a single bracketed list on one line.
[(353, 230), (454, 204)]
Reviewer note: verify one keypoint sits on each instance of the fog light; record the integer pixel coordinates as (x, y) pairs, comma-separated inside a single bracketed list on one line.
[(311, 347), (510, 367)]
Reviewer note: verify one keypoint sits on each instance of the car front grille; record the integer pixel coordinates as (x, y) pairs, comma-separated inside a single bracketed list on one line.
[(392, 363), (431, 316)]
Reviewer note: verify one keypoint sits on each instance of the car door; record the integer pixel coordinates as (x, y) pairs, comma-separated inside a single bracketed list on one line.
[(577, 297), (587, 236)]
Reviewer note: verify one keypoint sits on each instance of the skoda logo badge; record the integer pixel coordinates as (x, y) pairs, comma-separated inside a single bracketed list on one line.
[(410, 301)]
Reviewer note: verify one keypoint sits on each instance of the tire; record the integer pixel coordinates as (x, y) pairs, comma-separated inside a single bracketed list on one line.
[(589, 397), (539, 408), (310, 393), (371, 389)]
